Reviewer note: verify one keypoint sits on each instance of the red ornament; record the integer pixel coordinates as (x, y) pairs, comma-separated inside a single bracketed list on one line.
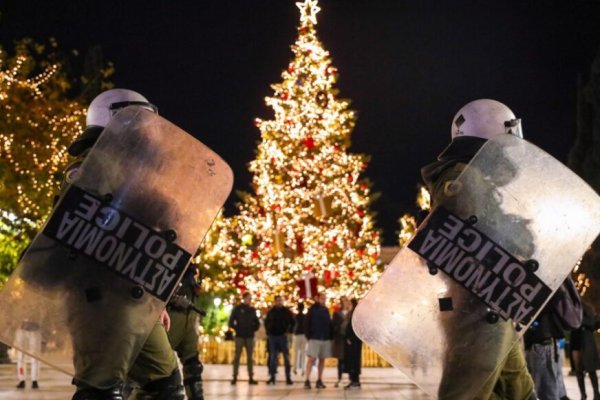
[(351, 274), (360, 212), (291, 69), (285, 95), (309, 143), (327, 277), (254, 255)]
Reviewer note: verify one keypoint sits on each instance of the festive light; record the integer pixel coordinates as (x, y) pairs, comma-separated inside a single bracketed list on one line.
[(408, 223), (309, 211), (37, 121), (308, 12)]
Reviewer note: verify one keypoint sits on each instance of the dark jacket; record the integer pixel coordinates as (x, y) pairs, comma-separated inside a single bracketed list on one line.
[(562, 312), (299, 326), (339, 324), (583, 340), (244, 321), (279, 321), (318, 323), (352, 350)]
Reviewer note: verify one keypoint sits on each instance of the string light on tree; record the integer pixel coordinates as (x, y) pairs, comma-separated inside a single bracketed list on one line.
[(408, 223), (38, 119)]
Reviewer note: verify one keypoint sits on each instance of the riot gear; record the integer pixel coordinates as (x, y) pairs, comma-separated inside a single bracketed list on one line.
[(192, 382), (183, 335), (113, 250), (100, 112), (500, 251), (485, 118), (168, 388), (114, 393)]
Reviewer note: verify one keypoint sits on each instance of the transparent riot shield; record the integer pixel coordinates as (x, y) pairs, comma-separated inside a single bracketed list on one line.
[(96, 278), (452, 305)]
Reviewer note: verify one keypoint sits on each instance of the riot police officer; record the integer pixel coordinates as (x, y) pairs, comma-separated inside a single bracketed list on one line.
[(472, 126), (155, 368), (184, 311)]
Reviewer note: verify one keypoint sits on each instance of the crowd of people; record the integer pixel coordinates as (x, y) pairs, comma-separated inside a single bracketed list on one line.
[(316, 335)]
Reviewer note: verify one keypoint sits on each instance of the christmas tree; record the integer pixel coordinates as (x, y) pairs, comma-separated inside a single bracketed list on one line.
[(39, 117), (309, 214)]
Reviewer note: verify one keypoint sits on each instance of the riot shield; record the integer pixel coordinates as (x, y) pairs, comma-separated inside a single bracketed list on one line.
[(452, 304), (98, 275)]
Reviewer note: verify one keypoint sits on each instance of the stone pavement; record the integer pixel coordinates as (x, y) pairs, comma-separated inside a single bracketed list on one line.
[(377, 383)]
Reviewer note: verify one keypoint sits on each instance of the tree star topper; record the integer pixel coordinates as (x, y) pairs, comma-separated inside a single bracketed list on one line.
[(308, 12)]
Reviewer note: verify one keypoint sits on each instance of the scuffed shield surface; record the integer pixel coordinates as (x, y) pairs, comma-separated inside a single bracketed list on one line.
[(97, 276), (438, 329)]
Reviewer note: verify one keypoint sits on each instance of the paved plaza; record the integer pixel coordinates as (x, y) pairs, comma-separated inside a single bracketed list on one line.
[(378, 383)]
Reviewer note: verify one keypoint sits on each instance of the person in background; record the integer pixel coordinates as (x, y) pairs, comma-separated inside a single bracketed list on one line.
[(563, 311), (352, 350), (318, 333), (245, 323), (278, 323), (585, 352), (28, 337), (299, 340), (474, 124), (339, 324)]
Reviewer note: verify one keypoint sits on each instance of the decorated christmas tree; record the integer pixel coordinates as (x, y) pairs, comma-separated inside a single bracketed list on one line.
[(308, 220), (39, 116)]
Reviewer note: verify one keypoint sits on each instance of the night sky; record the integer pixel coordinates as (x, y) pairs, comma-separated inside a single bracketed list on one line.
[(407, 66)]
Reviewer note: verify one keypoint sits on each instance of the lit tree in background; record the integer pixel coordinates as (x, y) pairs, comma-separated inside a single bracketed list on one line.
[(309, 212), (584, 159), (408, 223), (38, 119)]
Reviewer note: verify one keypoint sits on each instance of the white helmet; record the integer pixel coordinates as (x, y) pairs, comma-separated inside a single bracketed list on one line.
[(485, 118), (99, 113), (108, 103)]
